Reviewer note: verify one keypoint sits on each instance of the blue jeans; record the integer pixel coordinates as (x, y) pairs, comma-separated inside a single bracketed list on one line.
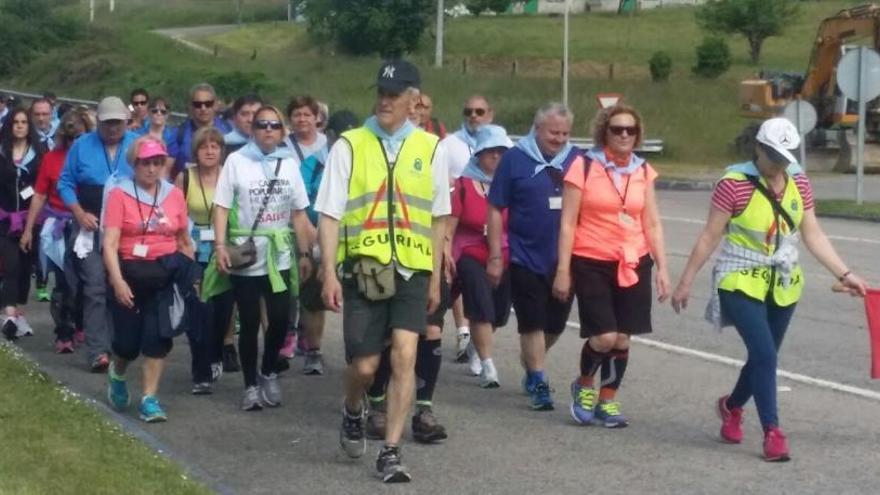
[(762, 325)]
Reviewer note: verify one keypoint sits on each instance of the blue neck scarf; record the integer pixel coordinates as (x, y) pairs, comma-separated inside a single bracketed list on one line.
[(22, 167), (268, 161), (128, 187), (391, 142), (749, 168), (473, 171), (635, 162), (235, 137), (467, 137), (529, 146)]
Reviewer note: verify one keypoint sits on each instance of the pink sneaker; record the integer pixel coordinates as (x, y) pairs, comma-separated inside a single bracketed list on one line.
[(63, 347), (731, 421), (775, 445), (289, 346), (79, 336)]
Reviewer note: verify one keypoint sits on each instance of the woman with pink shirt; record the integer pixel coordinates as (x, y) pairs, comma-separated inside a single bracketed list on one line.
[(610, 239), (485, 306), (146, 228)]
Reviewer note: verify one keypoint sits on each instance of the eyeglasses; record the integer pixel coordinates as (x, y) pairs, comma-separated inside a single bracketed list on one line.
[(203, 104), (273, 125), (156, 111), (479, 112), (618, 130), (138, 103)]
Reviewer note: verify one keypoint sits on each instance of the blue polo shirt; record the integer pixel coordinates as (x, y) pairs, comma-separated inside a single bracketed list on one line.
[(87, 168), (533, 226), (181, 146)]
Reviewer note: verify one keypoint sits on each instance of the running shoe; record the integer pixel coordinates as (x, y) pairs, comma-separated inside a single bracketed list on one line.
[(390, 468), (100, 363), (270, 389), (79, 336), (526, 389), (10, 331), (216, 371), (426, 428), (474, 364), (377, 420), (63, 347), (489, 375), (202, 388), (42, 294), (775, 445), (151, 411), (608, 415), (540, 397), (289, 348), (583, 402), (731, 421), (117, 392), (250, 399), (462, 340), (314, 363), (351, 436), (24, 328), (230, 359)]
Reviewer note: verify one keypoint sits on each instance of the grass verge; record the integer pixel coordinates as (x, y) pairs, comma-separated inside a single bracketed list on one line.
[(848, 208), (55, 443)]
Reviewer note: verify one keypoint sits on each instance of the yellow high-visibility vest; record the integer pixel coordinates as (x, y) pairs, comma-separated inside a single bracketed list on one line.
[(388, 212)]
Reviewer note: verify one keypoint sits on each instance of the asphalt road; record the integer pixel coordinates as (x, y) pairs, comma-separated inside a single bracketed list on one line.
[(497, 445)]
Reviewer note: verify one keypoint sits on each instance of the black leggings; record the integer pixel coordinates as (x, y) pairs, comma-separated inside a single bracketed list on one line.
[(248, 292), (17, 265)]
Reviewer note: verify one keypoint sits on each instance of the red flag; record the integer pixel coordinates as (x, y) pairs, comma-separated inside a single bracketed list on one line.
[(872, 309)]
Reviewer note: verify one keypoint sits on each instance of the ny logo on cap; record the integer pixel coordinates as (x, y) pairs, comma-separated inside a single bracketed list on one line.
[(388, 72)]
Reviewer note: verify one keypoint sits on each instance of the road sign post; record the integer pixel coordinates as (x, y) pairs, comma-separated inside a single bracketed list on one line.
[(858, 77), (803, 115)]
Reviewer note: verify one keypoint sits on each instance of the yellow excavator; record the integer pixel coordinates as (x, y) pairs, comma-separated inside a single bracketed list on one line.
[(768, 94)]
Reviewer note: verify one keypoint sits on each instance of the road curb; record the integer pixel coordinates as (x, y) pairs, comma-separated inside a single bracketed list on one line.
[(842, 216), (684, 185)]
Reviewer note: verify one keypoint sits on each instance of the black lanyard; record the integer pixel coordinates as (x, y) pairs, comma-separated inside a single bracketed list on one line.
[(145, 221), (625, 189), (209, 209), (112, 168)]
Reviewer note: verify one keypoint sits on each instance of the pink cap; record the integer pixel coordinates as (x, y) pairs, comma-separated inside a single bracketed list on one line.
[(151, 148)]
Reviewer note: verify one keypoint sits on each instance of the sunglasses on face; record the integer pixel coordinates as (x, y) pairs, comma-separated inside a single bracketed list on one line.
[(138, 103), (618, 130), (158, 161), (203, 104), (157, 111), (479, 112), (273, 125)]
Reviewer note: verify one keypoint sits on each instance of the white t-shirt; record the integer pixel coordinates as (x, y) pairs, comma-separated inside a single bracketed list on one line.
[(311, 149), (457, 154), (242, 182), (333, 193)]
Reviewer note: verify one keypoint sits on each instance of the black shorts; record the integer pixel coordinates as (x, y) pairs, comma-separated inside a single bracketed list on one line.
[(604, 306), (482, 302), (367, 325), (310, 294), (435, 319), (536, 308)]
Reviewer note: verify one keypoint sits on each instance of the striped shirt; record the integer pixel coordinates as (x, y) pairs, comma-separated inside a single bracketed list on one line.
[(733, 195)]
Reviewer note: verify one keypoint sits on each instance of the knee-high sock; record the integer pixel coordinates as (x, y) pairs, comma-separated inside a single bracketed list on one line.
[(591, 359), (428, 359), (613, 369)]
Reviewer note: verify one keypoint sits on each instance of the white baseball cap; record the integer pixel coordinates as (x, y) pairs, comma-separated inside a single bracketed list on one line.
[(112, 108), (781, 136)]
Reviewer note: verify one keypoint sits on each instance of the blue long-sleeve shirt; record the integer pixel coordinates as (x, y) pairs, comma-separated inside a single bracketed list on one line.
[(88, 166)]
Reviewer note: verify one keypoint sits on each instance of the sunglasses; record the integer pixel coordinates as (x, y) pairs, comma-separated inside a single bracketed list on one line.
[(479, 112), (156, 161), (203, 104), (618, 130), (163, 111), (273, 125), (138, 103)]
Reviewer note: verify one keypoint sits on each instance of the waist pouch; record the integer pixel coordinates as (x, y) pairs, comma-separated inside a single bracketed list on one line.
[(375, 281), (242, 255), (145, 275)]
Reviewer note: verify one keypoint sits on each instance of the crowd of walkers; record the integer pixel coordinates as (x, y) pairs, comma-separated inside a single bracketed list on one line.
[(255, 221)]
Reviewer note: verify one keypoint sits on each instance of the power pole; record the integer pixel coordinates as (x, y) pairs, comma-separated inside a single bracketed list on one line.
[(91, 10), (112, 6), (238, 8), (565, 55), (438, 49)]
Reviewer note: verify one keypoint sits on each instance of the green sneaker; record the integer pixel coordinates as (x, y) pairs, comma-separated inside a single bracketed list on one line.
[(42, 294), (608, 414), (151, 411), (117, 391)]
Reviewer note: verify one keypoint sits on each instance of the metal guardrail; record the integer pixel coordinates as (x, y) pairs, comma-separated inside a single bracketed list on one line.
[(65, 99), (647, 146)]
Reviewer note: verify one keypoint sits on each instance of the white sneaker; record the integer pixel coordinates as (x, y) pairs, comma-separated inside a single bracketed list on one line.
[(24, 328), (8, 326), (489, 376), (476, 367), (463, 340), (216, 371)]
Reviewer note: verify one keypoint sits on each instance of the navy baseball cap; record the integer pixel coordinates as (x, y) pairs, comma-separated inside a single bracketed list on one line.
[(396, 75)]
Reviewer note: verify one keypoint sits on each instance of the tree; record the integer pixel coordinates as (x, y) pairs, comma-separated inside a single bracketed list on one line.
[(361, 27), (756, 20)]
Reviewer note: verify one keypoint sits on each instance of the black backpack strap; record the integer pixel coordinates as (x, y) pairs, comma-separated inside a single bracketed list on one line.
[(773, 201), (186, 183)]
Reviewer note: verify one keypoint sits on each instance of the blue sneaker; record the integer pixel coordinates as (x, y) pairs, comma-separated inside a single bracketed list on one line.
[(151, 411), (117, 392), (583, 401), (540, 397), (525, 385), (608, 414)]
